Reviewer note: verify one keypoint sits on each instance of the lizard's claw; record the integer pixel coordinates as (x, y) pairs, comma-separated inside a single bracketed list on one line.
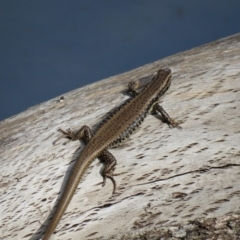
[(173, 124), (65, 134), (110, 176), (113, 181)]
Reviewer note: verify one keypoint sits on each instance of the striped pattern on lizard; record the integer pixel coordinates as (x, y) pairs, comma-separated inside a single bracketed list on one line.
[(113, 130)]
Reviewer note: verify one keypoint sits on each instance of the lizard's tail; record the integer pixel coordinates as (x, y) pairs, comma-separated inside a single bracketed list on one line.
[(79, 168)]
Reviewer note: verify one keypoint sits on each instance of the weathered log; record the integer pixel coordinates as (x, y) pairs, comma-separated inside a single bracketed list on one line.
[(167, 178)]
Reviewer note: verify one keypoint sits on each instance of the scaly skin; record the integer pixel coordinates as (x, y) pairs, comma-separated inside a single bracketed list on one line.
[(117, 127)]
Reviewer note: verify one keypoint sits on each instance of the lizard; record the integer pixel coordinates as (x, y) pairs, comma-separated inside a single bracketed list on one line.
[(112, 131)]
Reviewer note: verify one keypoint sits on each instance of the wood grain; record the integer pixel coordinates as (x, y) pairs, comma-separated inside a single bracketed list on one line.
[(167, 177)]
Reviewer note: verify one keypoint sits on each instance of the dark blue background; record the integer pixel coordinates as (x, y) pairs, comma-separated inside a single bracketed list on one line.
[(49, 47)]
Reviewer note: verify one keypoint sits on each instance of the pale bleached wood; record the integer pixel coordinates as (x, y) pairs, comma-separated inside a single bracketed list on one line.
[(201, 161)]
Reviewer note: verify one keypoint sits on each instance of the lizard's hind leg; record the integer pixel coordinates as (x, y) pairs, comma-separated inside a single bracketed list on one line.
[(106, 158)]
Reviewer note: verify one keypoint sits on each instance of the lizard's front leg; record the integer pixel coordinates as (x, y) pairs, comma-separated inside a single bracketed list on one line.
[(166, 118), (106, 158)]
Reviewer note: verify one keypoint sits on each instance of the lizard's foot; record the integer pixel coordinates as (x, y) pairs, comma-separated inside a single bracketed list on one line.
[(132, 87), (110, 176), (173, 124), (107, 172), (69, 134)]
